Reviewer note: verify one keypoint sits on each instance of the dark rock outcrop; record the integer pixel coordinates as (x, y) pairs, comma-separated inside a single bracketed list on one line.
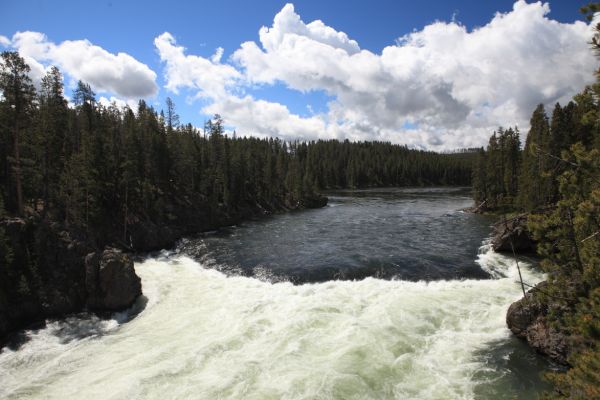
[(110, 280), (46, 276), (314, 201), (148, 236), (513, 230), (526, 318), (50, 276)]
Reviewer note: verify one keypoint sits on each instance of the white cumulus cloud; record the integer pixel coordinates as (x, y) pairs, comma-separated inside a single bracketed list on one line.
[(118, 103), (287, 24), (119, 73), (441, 87), (208, 76)]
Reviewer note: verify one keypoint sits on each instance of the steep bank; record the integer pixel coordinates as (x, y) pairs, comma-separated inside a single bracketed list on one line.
[(48, 275), (527, 318), (512, 234), (146, 234), (53, 271)]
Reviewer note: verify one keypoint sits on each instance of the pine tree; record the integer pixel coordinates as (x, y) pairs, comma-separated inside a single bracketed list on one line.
[(535, 181), (172, 119), (53, 126), (480, 190), (17, 106), (512, 164)]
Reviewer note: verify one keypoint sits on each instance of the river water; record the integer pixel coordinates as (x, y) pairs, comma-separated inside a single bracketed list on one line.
[(383, 294)]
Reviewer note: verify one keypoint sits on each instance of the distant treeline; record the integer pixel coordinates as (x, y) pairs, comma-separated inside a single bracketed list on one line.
[(334, 164), (97, 169)]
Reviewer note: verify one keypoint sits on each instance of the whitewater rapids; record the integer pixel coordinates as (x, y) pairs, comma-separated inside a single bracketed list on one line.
[(204, 335)]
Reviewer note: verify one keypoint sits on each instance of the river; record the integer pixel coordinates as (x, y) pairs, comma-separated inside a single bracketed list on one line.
[(383, 294)]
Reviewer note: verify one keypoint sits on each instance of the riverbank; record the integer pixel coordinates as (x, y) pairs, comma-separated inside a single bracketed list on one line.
[(53, 271), (229, 321), (527, 317)]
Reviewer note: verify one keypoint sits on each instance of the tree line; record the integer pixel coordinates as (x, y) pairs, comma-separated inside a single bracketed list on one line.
[(505, 177), (97, 169)]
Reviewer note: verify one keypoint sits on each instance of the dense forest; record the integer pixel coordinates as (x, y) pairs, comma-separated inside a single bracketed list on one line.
[(95, 168), (556, 180)]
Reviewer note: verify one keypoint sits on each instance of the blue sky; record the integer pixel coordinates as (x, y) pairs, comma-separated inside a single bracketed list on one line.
[(313, 108)]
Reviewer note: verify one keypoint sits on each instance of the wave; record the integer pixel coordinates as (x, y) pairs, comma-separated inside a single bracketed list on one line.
[(203, 334)]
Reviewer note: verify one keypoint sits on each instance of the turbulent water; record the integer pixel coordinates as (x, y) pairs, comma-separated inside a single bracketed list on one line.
[(224, 317)]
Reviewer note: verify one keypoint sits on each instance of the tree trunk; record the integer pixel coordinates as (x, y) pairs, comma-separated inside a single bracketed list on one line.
[(46, 173), (126, 212), (17, 169)]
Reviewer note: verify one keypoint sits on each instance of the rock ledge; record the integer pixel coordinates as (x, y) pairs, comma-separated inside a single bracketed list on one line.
[(110, 280), (526, 318), (515, 230)]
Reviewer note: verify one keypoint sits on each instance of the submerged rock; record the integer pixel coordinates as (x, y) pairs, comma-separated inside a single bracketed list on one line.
[(110, 280), (513, 230), (526, 318)]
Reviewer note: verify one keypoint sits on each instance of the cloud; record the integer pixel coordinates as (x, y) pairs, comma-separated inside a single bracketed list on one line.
[(119, 103), (119, 73), (216, 58), (4, 41), (453, 85), (211, 78), (264, 118), (288, 25), (219, 83)]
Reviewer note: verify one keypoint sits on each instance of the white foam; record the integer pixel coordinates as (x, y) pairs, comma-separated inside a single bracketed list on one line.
[(204, 335)]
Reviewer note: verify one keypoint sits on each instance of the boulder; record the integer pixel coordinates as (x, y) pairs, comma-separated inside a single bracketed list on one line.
[(110, 280), (513, 230), (526, 318)]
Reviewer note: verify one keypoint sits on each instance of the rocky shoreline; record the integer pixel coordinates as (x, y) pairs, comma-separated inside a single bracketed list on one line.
[(512, 235), (74, 273), (526, 318), (68, 276)]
